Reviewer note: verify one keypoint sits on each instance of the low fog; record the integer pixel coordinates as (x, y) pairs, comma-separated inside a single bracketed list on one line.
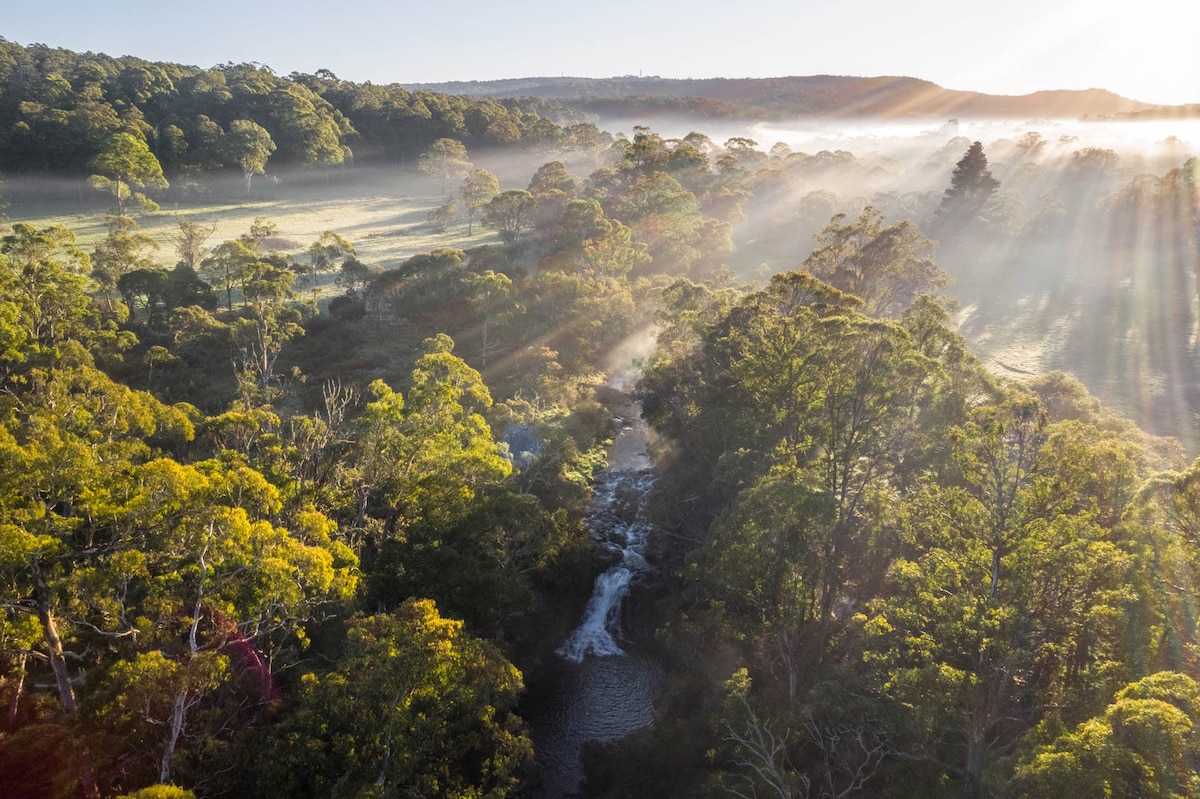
[(1082, 260)]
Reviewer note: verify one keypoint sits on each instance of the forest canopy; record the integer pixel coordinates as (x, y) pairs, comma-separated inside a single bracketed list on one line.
[(279, 519)]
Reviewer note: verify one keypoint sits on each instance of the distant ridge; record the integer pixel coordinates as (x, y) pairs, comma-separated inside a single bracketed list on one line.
[(816, 95)]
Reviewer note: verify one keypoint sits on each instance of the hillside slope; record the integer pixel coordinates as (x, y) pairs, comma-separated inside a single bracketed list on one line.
[(816, 95)]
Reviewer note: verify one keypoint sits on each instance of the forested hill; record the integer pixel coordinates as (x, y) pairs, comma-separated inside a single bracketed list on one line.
[(816, 95), (57, 108)]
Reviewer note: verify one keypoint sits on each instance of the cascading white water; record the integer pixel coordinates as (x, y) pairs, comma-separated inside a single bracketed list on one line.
[(603, 612), (598, 691), (617, 519)]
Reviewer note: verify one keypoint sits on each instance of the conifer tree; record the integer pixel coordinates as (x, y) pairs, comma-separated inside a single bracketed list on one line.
[(971, 186)]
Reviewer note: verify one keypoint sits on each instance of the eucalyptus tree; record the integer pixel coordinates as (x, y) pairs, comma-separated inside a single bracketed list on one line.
[(123, 164), (325, 254), (887, 267), (190, 240), (1144, 744), (424, 456), (491, 298), (416, 706), (225, 266), (510, 214), (477, 189), (445, 159), (1010, 593), (123, 250), (269, 324), (248, 145)]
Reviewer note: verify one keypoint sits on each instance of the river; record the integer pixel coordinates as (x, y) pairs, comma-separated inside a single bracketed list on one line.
[(599, 688)]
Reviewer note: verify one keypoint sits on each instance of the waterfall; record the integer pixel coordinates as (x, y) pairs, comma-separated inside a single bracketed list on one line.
[(596, 690), (617, 520)]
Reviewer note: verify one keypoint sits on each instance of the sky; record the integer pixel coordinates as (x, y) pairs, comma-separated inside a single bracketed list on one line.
[(1148, 50)]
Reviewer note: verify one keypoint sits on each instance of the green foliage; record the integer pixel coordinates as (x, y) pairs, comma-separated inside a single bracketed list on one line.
[(588, 243), (871, 511), (577, 317), (886, 267), (1143, 745), (125, 163), (445, 159), (426, 286), (160, 792), (510, 213), (323, 254), (123, 250), (248, 145), (43, 277), (924, 580), (226, 266), (551, 177), (58, 109), (443, 215), (972, 187), (416, 707), (665, 218), (477, 190), (424, 456)]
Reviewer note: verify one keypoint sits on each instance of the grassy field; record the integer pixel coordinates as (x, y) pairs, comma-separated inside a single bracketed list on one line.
[(381, 212), (1129, 342)]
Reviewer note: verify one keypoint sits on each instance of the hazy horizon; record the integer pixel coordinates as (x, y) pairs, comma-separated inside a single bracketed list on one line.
[(1021, 48)]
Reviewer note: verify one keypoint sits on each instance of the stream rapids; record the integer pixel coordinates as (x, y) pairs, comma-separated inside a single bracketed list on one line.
[(599, 687)]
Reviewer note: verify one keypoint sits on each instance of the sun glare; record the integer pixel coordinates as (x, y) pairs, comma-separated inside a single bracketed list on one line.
[(1145, 52)]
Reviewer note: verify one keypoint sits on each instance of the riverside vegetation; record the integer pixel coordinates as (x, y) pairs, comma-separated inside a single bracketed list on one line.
[(280, 520)]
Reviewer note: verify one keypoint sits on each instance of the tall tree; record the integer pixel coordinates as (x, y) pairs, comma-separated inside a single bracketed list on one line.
[(445, 159), (225, 266), (478, 188), (443, 215), (225, 589), (1009, 597), (325, 253), (552, 177), (886, 267), (248, 145), (510, 213), (259, 337), (43, 276), (189, 242), (417, 707), (491, 298), (123, 250), (423, 457), (71, 439), (125, 163), (1144, 744), (971, 187)]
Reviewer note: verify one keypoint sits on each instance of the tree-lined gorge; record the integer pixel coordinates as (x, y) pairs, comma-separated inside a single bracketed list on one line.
[(278, 520)]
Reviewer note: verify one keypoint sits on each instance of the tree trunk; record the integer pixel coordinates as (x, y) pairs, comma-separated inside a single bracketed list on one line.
[(178, 716), (484, 349), (973, 779), (180, 708), (789, 662), (14, 701), (58, 662), (66, 692)]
